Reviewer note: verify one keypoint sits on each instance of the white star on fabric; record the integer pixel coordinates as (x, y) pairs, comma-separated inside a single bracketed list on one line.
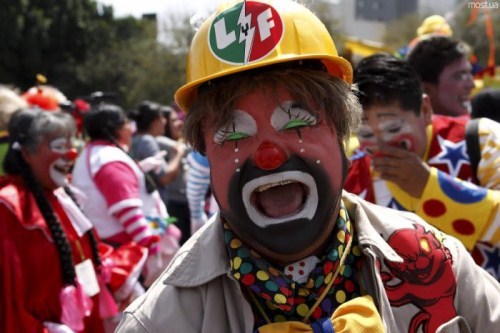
[(453, 154)]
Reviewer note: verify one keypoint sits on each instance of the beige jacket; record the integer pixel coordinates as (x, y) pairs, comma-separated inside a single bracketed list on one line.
[(195, 293)]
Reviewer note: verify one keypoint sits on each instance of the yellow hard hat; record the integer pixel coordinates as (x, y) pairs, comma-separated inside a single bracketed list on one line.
[(251, 34)]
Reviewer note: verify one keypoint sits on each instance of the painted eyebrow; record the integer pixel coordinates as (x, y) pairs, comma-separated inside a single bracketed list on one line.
[(292, 104)]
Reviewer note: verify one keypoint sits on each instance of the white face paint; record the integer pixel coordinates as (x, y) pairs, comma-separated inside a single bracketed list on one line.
[(307, 210), (60, 145), (243, 126), (292, 115), (60, 168), (391, 125), (59, 178)]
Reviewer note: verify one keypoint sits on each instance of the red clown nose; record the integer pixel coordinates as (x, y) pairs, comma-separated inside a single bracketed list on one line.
[(269, 156), (71, 154)]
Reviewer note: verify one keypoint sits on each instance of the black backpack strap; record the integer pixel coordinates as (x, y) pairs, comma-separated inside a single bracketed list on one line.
[(472, 142)]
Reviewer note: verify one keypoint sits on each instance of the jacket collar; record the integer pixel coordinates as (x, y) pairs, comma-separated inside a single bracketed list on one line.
[(370, 220), (201, 259), (204, 256)]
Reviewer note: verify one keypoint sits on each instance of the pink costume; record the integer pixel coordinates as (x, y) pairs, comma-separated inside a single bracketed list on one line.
[(117, 203)]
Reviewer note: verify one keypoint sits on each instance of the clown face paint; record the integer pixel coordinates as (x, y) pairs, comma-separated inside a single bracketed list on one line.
[(390, 125), (61, 167), (52, 161), (277, 173)]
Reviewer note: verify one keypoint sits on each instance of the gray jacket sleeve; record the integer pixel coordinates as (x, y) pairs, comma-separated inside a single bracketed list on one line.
[(478, 293)]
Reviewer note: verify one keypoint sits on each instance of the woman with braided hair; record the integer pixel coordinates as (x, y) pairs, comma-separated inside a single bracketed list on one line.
[(51, 274), (122, 201)]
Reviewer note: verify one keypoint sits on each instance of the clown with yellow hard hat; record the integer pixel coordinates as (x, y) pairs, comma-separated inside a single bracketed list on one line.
[(270, 104)]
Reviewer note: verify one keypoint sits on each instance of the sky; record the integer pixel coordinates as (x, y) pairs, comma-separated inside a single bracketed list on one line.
[(161, 7)]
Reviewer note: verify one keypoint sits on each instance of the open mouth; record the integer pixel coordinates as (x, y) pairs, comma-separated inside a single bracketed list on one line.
[(62, 167), (280, 197), (64, 170), (58, 174)]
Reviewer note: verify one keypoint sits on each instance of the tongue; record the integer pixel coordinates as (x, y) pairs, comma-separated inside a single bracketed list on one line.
[(281, 201)]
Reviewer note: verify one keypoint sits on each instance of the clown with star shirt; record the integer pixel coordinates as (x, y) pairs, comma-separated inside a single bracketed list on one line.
[(397, 145)]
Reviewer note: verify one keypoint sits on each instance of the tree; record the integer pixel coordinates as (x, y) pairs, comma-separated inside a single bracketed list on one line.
[(140, 66), (81, 48), (178, 29), (50, 37)]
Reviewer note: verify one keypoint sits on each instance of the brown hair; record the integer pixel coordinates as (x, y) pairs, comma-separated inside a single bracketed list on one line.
[(332, 97)]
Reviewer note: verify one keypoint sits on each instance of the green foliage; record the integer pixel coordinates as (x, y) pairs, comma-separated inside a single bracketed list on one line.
[(136, 67), (177, 32), (81, 48), (49, 37)]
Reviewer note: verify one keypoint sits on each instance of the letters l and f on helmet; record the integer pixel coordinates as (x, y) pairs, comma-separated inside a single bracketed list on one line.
[(251, 34)]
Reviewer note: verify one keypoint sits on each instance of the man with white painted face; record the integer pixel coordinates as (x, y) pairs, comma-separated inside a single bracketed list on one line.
[(413, 160), (269, 103)]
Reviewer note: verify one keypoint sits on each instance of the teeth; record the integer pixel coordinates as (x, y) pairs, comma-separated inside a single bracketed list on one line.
[(262, 188), (282, 178)]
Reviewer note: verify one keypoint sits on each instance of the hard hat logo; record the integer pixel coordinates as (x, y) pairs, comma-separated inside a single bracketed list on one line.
[(257, 33), (247, 32)]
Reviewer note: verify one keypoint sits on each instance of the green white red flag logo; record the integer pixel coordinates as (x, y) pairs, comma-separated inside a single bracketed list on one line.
[(247, 32)]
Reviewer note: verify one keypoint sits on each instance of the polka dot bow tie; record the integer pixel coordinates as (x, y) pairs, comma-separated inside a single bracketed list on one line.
[(357, 315)]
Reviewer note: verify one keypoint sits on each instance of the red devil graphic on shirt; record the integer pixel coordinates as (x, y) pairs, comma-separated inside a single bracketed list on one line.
[(425, 278)]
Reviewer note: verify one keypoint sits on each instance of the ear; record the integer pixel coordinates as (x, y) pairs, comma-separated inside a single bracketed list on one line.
[(426, 109)]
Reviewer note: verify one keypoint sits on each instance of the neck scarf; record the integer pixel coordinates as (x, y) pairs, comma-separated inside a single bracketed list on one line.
[(277, 298)]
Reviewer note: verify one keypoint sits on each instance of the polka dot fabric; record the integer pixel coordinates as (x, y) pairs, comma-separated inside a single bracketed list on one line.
[(283, 299)]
